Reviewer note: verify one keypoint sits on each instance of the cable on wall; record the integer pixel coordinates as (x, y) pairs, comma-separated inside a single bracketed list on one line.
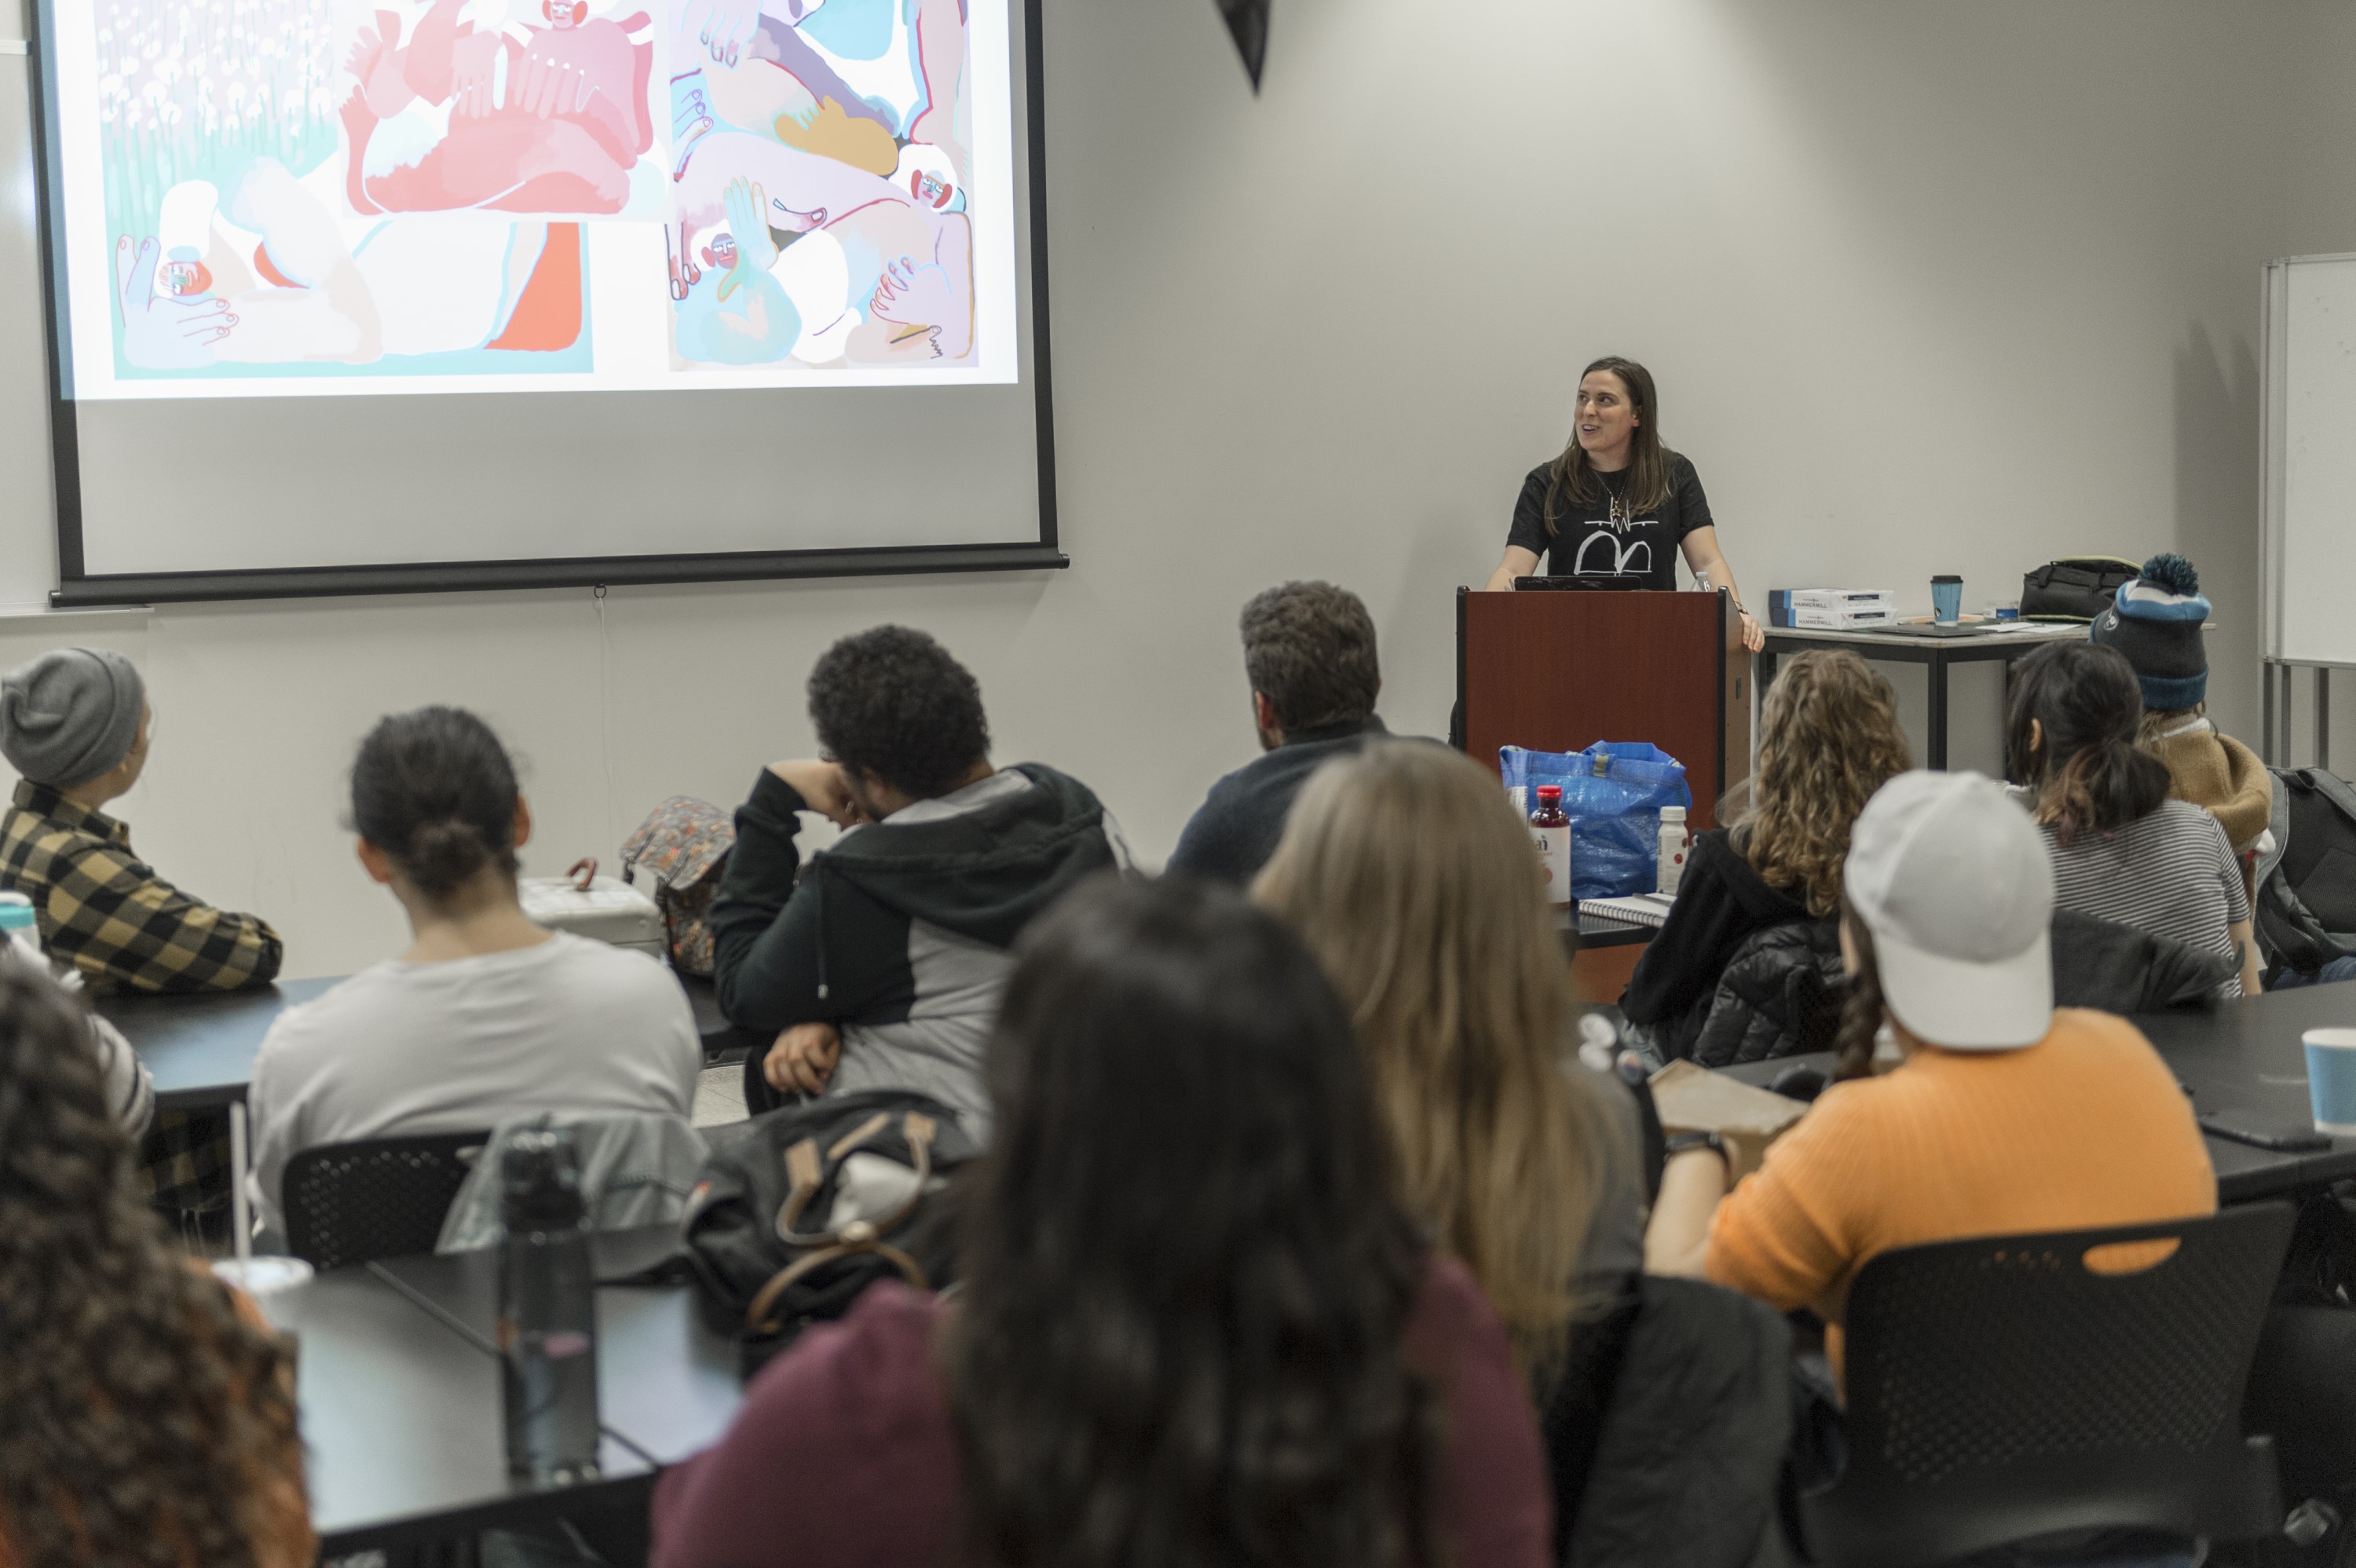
[(605, 711)]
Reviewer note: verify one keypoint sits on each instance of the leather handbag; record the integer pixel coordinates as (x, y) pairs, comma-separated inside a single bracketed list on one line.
[(814, 1203), (2076, 588)]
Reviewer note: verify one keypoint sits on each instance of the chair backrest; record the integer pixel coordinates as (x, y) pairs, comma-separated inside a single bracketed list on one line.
[(376, 1198), (2006, 1387)]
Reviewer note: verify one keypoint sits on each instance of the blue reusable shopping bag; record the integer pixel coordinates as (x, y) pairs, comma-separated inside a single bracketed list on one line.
[(1612, 792)]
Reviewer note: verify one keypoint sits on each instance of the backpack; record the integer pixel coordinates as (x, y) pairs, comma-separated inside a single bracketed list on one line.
[(685, 843), (2306, 909), (2076, 588), (815, 1202)]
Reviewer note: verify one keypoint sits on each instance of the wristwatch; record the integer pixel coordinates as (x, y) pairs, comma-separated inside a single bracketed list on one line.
[(1679, 1143)]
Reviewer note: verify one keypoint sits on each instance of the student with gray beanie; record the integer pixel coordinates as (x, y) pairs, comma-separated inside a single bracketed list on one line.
[(74, 724)]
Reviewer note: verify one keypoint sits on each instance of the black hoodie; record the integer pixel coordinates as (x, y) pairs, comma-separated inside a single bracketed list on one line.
[(898, 935), (1719, 901)]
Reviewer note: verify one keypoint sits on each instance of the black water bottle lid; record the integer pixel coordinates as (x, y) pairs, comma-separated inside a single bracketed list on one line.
[(540, 1181)]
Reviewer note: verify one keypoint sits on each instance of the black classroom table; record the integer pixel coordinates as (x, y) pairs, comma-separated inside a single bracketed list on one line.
[(200, 1046), (398, 1389), (402, 1430), (1935, 653), (2244, 1056)]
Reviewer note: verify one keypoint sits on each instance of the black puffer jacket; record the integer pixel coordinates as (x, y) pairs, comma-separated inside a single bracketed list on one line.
[(1781, 992), (1722, 903), (1667, 1434), (1779, 995)]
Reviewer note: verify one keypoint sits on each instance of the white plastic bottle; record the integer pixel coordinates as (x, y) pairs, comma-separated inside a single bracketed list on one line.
[(1673, 849)]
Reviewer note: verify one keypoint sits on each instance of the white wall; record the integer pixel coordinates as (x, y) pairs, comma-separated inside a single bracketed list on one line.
[(1928, 287)]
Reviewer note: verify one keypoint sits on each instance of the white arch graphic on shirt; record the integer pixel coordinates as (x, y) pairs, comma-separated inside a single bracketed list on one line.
[(1633, 558)]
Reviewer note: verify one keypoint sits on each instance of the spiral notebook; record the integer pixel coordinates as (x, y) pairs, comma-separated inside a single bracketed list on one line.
[(1637, 909)]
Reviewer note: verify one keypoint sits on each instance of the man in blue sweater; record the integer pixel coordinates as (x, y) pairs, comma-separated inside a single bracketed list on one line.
[(1309, 649)]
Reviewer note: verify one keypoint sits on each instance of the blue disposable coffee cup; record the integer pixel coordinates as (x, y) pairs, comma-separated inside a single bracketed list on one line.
[(2332, 1079), (1946, 600)]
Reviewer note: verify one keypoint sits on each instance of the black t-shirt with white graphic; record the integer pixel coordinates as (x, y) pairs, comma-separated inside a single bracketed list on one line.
[(1587, 543)]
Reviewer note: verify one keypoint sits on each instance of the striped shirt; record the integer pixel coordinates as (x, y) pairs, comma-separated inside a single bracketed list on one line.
[(2171, 873)]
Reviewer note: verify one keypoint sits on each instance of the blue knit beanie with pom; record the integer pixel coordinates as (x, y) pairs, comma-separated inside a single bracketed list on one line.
[(2156, 621)]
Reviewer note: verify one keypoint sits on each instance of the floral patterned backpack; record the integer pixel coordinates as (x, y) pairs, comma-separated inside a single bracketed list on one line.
[(684, 843)]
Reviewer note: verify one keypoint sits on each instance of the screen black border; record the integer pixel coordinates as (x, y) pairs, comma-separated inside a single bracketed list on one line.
[(77, 589)]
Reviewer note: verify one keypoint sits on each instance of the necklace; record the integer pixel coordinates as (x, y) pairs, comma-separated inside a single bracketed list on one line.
[(1623, 514)]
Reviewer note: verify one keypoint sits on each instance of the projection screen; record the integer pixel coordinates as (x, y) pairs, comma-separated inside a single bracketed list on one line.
[(382, 296)]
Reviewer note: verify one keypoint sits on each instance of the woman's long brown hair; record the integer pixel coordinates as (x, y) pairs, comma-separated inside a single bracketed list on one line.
[(1828, 737), (142, 1420), (1574, 478), (1415, 884)]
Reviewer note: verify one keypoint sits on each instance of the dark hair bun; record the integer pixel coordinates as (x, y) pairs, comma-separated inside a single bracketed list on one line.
[(436, 792)]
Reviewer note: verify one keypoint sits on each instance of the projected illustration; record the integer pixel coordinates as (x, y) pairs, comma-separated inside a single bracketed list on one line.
[(538, 106), (818, 217), (514, 195), (235, 253)]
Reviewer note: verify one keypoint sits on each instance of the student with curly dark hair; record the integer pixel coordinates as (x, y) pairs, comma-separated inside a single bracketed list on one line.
[(878, 965), (146, 1414), (1195, 1327)]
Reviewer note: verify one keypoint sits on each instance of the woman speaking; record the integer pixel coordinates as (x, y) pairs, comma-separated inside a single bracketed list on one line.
[(1616, 500)]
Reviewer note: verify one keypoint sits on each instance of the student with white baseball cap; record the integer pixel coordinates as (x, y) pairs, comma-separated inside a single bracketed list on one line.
[(2005, 1116)]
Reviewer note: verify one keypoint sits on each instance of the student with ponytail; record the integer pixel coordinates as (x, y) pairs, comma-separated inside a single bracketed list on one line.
[(486, 1014), (2123, 850)]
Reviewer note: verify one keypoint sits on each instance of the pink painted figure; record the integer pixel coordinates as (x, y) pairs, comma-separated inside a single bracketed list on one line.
[(561, 137)]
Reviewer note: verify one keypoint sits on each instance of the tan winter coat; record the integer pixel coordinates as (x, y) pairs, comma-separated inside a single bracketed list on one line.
[(2220, 774)]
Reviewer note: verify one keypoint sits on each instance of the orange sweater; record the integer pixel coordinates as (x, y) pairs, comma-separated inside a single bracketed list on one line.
[(2084, 1128)]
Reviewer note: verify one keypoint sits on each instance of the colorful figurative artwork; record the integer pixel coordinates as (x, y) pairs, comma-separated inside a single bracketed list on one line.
[(394, 196), (821, 184)]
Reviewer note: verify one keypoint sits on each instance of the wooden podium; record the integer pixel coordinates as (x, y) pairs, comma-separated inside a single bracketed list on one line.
[(1560, 671)]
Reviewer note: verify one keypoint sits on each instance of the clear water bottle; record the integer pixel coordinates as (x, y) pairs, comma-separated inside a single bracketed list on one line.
[(22, 927), (548, 1312)]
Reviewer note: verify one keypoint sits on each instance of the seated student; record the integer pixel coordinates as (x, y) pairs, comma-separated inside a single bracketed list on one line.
[(1412, 880), (1404, 868), (883, 962), (1309, 650), (1193, 1327), (1828, 737), (486, 1014), (2007, 1116), (141, 1402), (75, 724), (2123, 851), (2156, 623)]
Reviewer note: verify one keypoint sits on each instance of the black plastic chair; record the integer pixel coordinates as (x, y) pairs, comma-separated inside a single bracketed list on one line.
[(1999, 1389), (377, 1198)]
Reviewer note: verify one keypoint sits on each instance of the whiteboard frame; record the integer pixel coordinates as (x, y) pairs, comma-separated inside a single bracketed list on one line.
[(2274, 457)]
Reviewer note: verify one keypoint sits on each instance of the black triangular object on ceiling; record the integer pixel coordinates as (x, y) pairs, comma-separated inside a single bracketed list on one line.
[(1248, 20)]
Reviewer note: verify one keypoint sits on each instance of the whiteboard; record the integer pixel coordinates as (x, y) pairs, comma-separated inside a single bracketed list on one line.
[(2309, 418)]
